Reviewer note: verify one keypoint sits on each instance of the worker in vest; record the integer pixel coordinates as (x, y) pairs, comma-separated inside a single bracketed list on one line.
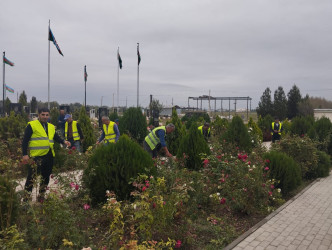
[(205, 130), (39, 137), (156, 140), (276, 129), (110, 132), (73, 132)]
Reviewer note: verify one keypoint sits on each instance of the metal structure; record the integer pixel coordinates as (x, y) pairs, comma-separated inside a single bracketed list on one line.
[(221, 99)]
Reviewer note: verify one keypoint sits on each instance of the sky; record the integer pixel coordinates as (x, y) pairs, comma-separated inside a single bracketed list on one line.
[(189, 48)]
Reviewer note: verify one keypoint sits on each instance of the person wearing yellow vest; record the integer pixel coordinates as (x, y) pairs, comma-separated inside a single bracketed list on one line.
[(276, 129), (155, 140), (73, 132), (39, 137), (205, 130), (110, 132)]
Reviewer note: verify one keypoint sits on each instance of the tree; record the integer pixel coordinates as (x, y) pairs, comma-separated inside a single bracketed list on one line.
[(33, 104), (173, 139), (7, 105), (133, 123), (23, 99), (280, 104), (305, 107), (265, 106), (87, 129), (294, 98)]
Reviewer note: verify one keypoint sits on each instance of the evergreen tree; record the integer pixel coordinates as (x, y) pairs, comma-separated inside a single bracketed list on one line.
[(87, 129), (192, 145), (7, 105), (113, 116), (265, 106), (23, 99), (133, 123), (305, 107), (173, 139), (294, 98), (33, 104), (54, 116), (280, 104)]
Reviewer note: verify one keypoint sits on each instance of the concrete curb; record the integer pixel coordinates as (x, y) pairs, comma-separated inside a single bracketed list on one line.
[(267, 218)]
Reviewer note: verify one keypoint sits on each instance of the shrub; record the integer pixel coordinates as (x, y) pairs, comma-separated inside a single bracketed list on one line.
[(237, 133), (54, 115), (191, 118), (220, 126), (286, 126), (173, 139), (8, 202), (12, 126), (255, 132), (133, 123), (301, 125), (323, 127), (87, 129), (112, 166), (284, 169), (113, 116), (324, 164), (191, 147), (265, 125), (303, 150)]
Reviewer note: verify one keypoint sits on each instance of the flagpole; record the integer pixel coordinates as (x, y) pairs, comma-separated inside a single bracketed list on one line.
[(49, 60), (3, 86), (117, 101), (85, 85), (137, 77)]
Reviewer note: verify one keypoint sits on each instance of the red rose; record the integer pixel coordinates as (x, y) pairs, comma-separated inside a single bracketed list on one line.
[(223, 201)]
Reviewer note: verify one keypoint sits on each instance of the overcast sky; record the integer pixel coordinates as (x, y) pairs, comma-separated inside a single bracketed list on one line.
[(233, 48)]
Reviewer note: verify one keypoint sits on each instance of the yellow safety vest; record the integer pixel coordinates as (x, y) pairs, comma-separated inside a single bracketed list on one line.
[(200, 128), (76, 135), (279, 130), (40, 143), (109, 133), (152, 139)]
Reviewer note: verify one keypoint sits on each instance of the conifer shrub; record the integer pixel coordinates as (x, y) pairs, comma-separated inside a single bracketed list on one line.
[(191, 147), (265, 125), (284, 169), (87, 129), (323, 127), (303, 150), (9, 202), (133, 123), (324, 164), (255, 132), (191, 118), (237, 133), (286, 125), (12, 126), (220, 126), (113, 116), (301, 125), (54, 115), (113, 166), (173, 139)]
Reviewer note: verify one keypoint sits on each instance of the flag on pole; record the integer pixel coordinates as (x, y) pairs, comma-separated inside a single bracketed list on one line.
[(120, 61), (6, 61), (138, 56), (9, 89), (85, 74), (52, 38)]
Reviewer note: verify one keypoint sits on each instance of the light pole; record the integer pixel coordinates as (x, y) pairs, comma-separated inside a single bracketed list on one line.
[(101, 101)]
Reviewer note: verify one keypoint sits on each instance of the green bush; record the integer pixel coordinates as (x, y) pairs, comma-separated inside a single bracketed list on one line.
[(12, 126), (323, 127), (112, 166), (284, 169), (133, 123), (8, 202), (255, 132), (286, 126), (194, 117), (237, 133), (324, 164), (113, 116), (173, 139), (219, 126), (87, 129), (54, 116), (192, 145), (301, 125), (265, 125), (303, 150)]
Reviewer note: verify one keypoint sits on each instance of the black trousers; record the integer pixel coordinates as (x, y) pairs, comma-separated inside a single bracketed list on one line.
[(44, 165), (275, 137)]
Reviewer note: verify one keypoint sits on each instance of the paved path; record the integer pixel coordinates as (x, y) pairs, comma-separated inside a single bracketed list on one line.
[(305, 222)]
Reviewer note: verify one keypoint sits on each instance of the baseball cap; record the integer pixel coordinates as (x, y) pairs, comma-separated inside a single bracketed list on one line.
[(67, 116)]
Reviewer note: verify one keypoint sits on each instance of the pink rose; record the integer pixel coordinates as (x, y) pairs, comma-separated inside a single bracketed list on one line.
[(144, 188), (86, 206), (178, 244), (72, 184), (270, 193), (272, 186), (266, 168), (77, 187)]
